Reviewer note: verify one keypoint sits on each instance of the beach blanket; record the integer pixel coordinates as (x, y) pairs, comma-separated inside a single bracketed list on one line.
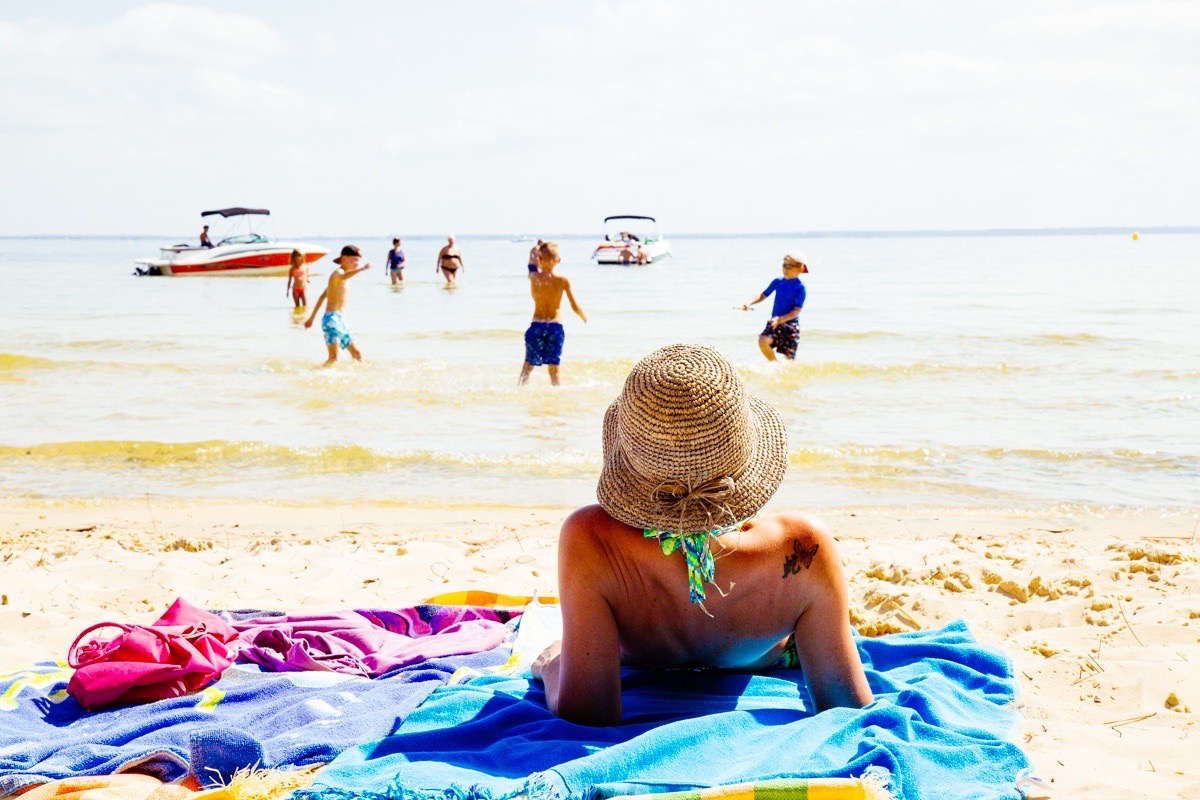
[(481, 598), (940, 726), (783, 789), (368, 642), (121, 787), (248, 718)]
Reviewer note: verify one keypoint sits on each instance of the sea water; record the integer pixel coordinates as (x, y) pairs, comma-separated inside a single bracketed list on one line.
[(973, 372)]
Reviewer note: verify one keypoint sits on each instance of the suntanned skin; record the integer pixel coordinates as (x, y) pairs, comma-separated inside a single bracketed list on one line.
[(791, 269), (624, 601), (335, 295), (450, 260), (547, 289), (298, 282)]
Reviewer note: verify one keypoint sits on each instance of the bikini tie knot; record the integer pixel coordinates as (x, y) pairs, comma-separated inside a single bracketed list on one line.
[(700, 565)]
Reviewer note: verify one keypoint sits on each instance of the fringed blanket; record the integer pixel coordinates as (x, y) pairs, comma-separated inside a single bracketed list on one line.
[(940, 727)]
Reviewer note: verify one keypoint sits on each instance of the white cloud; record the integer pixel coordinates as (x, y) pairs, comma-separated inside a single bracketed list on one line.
[(138, 66), (885, 114)]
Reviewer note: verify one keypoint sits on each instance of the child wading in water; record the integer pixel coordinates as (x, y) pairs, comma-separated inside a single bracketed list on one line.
[(782, 332), (333, 325), (298, 280), (545, 335), (395, 263)]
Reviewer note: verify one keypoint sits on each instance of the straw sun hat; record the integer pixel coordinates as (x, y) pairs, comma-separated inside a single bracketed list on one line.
[(686, 449)]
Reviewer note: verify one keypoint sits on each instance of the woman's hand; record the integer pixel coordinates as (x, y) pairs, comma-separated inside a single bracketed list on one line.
[(547, 662)]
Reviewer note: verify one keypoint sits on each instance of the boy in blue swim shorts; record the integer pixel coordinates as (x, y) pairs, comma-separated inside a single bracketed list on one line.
[(782, 332), (333, 324), (544, 337)]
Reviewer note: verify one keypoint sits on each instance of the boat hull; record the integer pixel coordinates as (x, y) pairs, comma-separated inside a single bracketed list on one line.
[(610, 252), (274, 259)]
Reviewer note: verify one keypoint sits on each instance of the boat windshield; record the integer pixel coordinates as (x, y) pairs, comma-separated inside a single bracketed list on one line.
[(245, 238), (631, 230)]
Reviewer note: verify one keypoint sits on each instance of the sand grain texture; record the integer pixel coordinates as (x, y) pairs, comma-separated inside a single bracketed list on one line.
[(1100, 615)]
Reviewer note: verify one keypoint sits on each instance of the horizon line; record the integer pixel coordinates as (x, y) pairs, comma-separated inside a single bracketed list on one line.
[(828, 234)]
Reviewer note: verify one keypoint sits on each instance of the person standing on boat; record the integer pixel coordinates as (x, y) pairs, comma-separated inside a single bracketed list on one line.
[(333, 325), (782, 332), (450, 260), (204, 240), (535, 257), (395, 263)]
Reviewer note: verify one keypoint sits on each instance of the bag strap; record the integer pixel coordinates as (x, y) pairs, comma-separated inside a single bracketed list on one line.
[(71, 654)]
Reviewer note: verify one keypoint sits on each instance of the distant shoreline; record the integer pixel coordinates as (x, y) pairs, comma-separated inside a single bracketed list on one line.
[(1107, 230)]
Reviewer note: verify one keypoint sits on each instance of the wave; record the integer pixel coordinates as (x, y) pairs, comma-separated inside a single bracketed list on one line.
[(822, 335), (1169, 374), (222, 454), (1068, 339), (13, 362), (913, 459), (844, 369), (235, 455)]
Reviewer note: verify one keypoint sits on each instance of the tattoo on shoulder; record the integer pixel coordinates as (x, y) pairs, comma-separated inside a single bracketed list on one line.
[(801, 557)]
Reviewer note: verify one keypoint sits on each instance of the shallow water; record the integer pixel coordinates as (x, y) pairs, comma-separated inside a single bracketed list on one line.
[(984, 371)]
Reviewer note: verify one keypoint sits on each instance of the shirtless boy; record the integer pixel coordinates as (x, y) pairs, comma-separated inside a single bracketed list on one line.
[(689, 459), (545, 335), (450, 260), (333, 324)]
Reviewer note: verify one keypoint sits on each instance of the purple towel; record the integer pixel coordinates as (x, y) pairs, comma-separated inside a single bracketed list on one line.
[(368, 642)]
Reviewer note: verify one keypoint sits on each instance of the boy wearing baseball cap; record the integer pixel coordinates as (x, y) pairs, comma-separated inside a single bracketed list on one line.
[(782, 332), (689, 459), (333, 324)]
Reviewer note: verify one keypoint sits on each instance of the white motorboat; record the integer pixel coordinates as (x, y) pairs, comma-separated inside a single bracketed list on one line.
[(249, 253), (630, 239)]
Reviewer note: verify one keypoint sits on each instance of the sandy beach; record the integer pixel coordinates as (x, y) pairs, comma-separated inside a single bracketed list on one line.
[(1101, 616)]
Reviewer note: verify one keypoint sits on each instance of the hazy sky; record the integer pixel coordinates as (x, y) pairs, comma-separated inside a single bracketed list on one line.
[(530, 116)]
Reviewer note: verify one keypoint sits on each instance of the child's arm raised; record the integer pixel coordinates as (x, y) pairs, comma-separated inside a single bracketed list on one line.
[(571, 299), (350, 273)]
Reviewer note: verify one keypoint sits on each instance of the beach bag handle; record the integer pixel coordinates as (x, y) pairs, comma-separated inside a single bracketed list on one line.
[(73, 654), (184, 651)]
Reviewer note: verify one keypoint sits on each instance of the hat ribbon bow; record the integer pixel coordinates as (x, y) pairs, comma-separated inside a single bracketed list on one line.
[(674, 498)]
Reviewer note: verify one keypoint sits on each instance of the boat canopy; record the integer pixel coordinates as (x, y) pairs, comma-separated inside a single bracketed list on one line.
[(629, 216), (235, 212)]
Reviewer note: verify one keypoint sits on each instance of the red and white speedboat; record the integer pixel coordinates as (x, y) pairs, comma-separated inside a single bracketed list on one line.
[(247, 253), (631, 239)]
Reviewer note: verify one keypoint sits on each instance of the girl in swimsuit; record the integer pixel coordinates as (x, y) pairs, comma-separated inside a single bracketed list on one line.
[(298, 279), (449, 260)]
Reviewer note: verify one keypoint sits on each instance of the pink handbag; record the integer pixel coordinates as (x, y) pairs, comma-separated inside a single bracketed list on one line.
[(185, 650)]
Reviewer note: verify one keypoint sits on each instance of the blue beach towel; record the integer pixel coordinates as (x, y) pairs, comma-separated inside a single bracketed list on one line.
[(248, 718), (940, 725)]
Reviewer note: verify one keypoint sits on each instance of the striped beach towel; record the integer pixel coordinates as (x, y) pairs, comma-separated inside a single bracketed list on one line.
[(871, 786), (485, 599)]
